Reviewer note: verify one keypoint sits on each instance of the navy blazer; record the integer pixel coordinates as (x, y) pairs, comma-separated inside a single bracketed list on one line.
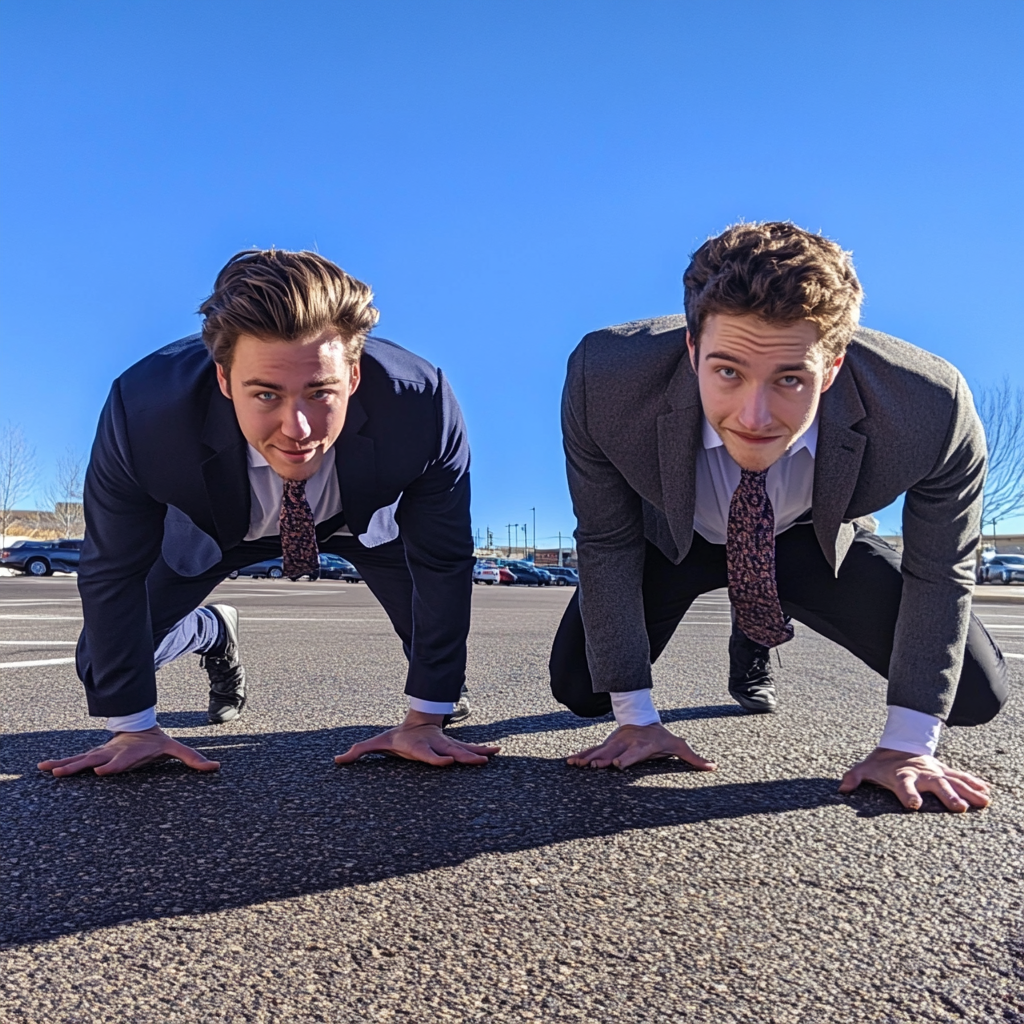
[(168, 476)]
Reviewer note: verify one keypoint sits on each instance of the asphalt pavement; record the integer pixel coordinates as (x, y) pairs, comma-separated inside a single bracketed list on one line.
[(284, 888)]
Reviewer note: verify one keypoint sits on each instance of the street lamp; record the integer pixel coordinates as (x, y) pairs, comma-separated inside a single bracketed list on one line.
[(534, 511)]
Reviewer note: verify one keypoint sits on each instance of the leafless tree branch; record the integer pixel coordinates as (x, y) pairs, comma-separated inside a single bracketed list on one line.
[(17, 471), (65, 494), (1002, 414)]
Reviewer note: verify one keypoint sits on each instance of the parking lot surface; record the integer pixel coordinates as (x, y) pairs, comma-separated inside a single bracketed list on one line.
[(284, 888)]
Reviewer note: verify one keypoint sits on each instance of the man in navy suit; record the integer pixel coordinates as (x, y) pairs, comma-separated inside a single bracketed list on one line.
[(281, 430)]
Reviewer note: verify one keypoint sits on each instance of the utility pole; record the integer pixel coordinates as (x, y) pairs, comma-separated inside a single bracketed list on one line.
[(526, 543), (534, 511), (510, 538), (559, 549)]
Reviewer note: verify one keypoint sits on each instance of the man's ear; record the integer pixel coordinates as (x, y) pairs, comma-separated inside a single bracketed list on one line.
[(693, 350), (353, 378), (832, 372), (222, 380)]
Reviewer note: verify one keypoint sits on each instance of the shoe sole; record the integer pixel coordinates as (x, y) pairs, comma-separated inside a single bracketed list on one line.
[(229, 715), (755, 707)]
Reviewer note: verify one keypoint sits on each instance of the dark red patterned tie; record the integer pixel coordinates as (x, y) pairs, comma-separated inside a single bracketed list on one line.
[(750, 556), (298, 533)]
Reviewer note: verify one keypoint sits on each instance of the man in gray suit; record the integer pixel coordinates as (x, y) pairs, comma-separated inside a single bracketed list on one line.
[(736, 447)]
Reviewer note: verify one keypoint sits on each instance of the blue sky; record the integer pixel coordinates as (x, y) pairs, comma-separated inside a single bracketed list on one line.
[(506, 176)]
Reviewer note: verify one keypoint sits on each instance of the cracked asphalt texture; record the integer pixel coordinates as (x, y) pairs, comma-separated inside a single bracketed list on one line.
[(284, 888)]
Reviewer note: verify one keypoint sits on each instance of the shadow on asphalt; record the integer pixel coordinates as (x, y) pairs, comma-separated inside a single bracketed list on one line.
[(562, 721), (280, 820)]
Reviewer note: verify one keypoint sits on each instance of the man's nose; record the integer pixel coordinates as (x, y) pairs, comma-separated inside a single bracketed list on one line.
[(754, 414), (296, 424)]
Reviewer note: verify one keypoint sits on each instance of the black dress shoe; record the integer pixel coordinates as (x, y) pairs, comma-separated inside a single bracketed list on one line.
[(224, 667), (462, 710), (750, 674)]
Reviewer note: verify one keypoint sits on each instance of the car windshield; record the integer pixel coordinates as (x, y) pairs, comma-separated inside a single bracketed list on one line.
[(1012, 559)]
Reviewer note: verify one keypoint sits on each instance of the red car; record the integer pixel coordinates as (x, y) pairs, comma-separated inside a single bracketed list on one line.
[(506, 576)]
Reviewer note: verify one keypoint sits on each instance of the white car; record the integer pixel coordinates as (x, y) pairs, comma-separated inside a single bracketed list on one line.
[(486, 572)]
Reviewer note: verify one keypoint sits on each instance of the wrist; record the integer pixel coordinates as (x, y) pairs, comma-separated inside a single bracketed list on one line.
[(414, 718), (634, 707)]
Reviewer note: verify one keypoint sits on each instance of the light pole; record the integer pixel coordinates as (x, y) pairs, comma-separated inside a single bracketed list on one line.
[(526, 543), (559, 549), (534, 511), (510, 538)]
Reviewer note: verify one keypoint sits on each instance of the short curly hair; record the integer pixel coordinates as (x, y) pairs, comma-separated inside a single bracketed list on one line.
[(779, 273), (277, 294)]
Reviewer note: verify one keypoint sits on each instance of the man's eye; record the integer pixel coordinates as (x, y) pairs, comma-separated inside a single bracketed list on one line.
[(322, 393), (789, 382), (728, 372), (266, 396)]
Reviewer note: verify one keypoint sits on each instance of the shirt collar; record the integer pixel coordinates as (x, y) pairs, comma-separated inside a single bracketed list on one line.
[(808, 439), (256, 461)]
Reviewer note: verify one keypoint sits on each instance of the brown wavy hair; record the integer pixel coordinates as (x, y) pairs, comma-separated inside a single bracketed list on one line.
[(779, 273), (276, 294)]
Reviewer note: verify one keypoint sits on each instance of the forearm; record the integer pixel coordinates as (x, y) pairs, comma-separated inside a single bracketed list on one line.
[(115, 657), (929, 644)]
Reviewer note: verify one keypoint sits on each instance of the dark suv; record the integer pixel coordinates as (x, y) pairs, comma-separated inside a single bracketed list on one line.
[(564, 576), (42, 557)]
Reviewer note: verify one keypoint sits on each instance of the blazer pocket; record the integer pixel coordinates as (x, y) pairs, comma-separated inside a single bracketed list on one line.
[(186, 549)]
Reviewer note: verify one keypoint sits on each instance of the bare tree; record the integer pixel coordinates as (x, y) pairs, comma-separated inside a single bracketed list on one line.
[(65, 494), (17, 471), (1002, 413)]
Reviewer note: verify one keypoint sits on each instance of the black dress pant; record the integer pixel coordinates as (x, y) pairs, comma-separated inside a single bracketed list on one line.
[(172, 596), (857, 609)]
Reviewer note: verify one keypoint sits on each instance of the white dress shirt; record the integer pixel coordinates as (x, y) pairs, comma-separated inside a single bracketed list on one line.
[(790, 485), (266, 491)]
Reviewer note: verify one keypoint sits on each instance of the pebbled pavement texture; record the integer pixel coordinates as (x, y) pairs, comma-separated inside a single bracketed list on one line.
[(284, 888)]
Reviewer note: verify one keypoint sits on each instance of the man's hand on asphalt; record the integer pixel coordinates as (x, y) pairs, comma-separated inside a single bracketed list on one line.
[(419, 738), (128, 750), (910, 776), (631, 744)]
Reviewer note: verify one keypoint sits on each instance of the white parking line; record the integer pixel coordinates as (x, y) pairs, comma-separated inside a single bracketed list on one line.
[(249, 618), (48, 618), (28, 664), (1021, 656), (40, 643)]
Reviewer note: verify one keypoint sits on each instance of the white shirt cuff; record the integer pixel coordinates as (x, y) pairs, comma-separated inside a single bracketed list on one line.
[(913, 732), (138, 722), (635, 707), (432, 707)]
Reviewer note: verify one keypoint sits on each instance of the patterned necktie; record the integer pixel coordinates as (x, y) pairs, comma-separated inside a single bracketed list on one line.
[(750, 557), (298, 533)]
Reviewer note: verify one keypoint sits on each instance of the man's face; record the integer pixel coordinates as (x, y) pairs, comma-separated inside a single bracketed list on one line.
[(290, 398), (760, 384)]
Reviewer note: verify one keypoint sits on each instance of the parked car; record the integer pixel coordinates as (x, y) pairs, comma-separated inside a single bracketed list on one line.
[(537, 575), (42, 557), (269, 568), (505, 576), (486, 572), (529, 576), (1002, 569), (332, 567), (564, 576)]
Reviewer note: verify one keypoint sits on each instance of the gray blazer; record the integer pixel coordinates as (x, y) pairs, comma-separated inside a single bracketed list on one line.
[(897, 419)]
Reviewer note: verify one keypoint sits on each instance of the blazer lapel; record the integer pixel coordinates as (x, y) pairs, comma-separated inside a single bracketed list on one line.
[(837, 462), (357, 469), (226, 472), (679, 434)]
